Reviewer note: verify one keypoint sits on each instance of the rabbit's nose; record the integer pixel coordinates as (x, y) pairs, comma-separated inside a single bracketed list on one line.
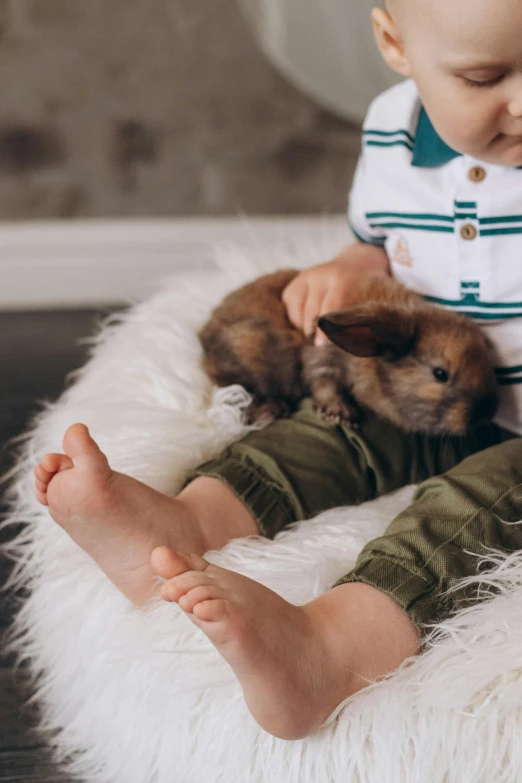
[(483, 410)]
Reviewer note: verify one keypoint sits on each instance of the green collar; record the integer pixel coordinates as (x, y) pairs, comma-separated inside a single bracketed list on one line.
[(429, 150)]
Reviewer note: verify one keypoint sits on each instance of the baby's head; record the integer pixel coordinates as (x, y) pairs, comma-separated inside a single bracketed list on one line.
[(465, 57)]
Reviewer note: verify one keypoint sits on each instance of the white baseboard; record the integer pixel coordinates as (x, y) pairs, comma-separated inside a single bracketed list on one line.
[(97, 262)]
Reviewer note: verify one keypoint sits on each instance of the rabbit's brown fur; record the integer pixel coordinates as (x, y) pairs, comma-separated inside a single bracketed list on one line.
[(424, 368)]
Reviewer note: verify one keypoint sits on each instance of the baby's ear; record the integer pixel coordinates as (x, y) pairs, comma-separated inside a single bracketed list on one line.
[(370, 330)]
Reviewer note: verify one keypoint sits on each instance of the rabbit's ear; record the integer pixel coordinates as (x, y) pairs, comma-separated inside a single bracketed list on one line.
[(371, 330)]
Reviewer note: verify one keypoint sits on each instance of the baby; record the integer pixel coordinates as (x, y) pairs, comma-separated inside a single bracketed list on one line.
[(435, 202)]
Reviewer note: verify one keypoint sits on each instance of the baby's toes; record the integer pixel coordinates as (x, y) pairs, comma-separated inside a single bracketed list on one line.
[(41, 492), (42, 479), (42, 474), (41, 486), (169, 563), (51, 464), (174, 588), (213, 610), (197, 595)]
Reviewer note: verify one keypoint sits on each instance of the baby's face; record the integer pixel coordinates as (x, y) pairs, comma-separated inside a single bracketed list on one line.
[(466, 59)]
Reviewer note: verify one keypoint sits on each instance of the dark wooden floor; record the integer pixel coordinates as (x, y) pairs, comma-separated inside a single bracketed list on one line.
[(37, 351)]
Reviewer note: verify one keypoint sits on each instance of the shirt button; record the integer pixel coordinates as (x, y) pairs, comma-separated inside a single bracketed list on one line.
[(477, 174), (468, 231)]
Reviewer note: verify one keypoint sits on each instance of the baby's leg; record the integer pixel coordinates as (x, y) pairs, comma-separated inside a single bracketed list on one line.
[(293, 469), (296, 664)]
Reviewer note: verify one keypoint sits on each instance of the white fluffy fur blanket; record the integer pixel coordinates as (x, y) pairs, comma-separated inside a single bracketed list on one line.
[(143, 697)]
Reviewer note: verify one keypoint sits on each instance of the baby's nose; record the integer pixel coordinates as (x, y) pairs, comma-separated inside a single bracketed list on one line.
[(515, 108)]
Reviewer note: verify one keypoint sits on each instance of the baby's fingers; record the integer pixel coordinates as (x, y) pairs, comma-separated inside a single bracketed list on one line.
[(320, 338), (332, 302), (312, 310), (294, 298)]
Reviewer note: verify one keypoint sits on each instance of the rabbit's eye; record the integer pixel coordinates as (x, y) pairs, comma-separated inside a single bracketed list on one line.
[(441, 375)]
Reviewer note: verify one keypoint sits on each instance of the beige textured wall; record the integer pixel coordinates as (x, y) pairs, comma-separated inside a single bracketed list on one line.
[(156, 107)]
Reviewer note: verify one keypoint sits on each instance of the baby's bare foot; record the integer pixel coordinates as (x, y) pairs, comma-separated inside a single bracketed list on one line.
[(117, 520), (290, 679)]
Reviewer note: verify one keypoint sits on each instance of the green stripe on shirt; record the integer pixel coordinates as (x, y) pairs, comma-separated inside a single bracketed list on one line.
[(484, 311), (508, 370), (491, 232), (410, 215), (397, 143), (501, 219), (469, 299), (371, 132), (508, 381)]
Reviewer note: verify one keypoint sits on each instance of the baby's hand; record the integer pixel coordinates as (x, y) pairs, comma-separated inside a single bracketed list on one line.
[(328, 287)]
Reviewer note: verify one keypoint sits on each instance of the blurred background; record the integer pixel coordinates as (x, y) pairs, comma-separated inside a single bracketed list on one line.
[(132, 132), (174, 107)]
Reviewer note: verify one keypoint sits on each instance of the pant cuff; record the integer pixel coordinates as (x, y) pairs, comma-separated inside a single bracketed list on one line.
[(419, 595), (268, 502)]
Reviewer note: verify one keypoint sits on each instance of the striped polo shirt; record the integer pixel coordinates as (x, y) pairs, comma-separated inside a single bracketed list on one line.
[(450, 224)]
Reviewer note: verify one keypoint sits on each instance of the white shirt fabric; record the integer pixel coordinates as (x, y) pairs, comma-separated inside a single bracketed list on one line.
[(450, 224)]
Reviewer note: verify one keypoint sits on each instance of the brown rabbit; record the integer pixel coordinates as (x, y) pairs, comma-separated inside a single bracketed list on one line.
[(424, 368)]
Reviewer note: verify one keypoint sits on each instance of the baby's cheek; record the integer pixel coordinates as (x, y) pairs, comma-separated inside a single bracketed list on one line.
[(471, 126), (460, 132), (464, 118)]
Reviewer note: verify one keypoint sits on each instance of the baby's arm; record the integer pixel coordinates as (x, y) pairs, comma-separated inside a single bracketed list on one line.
[(326, 287)]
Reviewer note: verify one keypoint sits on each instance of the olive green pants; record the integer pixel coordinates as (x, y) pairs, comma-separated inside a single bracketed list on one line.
[(471, 490)]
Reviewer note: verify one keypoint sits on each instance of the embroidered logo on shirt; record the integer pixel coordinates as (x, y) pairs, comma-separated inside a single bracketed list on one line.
[(401, 252)]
